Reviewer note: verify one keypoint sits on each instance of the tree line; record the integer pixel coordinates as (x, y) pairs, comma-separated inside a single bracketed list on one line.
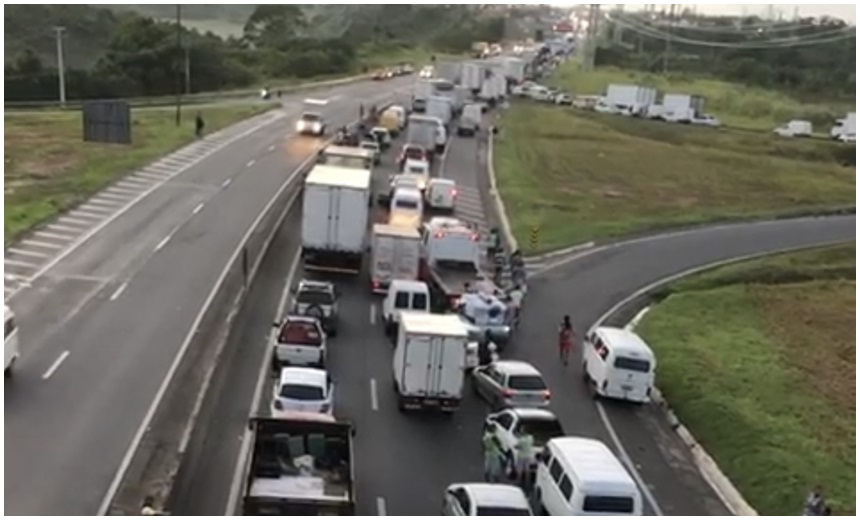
[(138, 56)]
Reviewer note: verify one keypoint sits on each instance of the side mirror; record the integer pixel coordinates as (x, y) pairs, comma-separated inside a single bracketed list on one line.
[(276, 324)]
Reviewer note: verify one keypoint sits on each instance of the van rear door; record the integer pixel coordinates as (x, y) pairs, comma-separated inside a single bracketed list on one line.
[(631, 376)]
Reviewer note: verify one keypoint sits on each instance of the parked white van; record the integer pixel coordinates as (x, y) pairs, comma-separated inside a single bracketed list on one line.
[(618, 364), (10, 335), (579, 476)]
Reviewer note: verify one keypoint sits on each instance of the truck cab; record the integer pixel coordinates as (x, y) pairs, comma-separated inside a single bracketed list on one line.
[(450, 258), (346, 157)]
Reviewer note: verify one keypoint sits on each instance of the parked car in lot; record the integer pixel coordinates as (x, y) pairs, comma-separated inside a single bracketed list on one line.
[(302, 389), (300, 341), (511, 383), (480, 499)]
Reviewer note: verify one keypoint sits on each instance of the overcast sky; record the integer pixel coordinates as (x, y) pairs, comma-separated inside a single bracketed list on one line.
[(847, 12)]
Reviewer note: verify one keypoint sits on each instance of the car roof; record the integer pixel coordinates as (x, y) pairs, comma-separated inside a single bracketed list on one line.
[(516, 368), (407, 192), (594, 464), (408, 285), (624, 341), (313, 114), (298, 318), (533, 413), (500, 495), (304, 376), (318, 285)]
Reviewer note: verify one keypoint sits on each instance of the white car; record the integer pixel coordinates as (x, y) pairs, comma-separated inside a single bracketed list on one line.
[(301, 341), (563, 99), (706, 120), (509, 424), (426, 72), (481, 499), (420, 170), (508, 383), (303, 390), (372, 146), (311, 123)]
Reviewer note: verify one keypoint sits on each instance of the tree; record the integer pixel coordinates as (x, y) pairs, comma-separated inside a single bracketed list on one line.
[(273, 25), (28, 63)]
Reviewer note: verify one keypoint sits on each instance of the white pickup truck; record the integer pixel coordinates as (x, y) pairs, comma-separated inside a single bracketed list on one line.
[(299, 341)]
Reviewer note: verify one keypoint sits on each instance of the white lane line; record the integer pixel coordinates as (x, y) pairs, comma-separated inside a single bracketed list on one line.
[(198, 208), (18, 263), (625, 458), (226, 183), (54, 236), (374, 399), (118, 291), (53, 368), (123, 191), (164, 242), (26, 252), (373, 314), (380, 507), (112, 204), (112, 196), (86, 214), (72, 220), (36, 243), (59, 227), (99, 210), (133, 184), (250, 163), (149, 176)]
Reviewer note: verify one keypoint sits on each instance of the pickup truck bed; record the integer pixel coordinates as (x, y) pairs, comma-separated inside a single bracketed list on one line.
[(447, 281)]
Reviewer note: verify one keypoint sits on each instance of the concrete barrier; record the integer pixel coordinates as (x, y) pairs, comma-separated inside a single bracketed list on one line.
[(148, 479)]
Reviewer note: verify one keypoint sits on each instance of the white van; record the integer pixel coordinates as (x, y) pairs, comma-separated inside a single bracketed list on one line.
[(618, 364), (470, 120), (441, 194), (10, 335), (407, 208), (579, 476), (403, 295)]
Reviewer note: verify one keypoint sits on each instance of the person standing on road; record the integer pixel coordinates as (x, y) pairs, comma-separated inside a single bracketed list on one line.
[(199, 124), (565, 339), (492, 465), (814, 505), (524, 447), (515, 303)]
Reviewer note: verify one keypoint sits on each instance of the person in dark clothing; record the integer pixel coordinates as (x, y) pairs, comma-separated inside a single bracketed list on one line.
[(199, 124), (485, 355)]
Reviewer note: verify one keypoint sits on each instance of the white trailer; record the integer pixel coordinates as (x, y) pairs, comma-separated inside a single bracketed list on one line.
[(682, 108), (473, 76), (430, 361), (441, 107), (515, 69), (335, 212), (395, 255), (423, 131)]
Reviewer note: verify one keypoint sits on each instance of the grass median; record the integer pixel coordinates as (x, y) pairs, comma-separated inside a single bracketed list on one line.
[(50, 169), (759, 360), (578, 175)]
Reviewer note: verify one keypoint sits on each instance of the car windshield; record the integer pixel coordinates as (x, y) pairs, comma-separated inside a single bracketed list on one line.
[(315, 297), (415, 153), (302, 392), (526, 383), (312, 118), (406, 204), (634, 365), (416, 169), (303, 333), (542, 430), (501, 511)]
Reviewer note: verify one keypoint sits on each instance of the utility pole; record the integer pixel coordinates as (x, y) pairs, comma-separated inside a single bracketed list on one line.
[(593, 20), (61, 66), (668, 47), (188, 68), (178, 64)]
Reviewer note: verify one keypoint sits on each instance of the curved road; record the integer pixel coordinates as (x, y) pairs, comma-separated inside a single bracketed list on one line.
[(104, 319), (405, 461)]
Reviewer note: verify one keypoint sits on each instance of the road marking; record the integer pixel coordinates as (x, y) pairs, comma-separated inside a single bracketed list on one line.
[(151, 176), (59, 227), (198, 208), (18, 263), (53, 368), (374, 400), (250, 163), (636, 319), (123, 191), (101, 204), (113, 196), (373, 314), (163, 242), (10, 276), (226, 183), (25, 252), (133, 183), (98, 210), (36, 243), (380, 507), (118, 291), (86, 214), (55, 236), (72, 220)]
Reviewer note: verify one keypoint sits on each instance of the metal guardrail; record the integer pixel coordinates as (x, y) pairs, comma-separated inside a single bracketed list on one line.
[(188, 99)]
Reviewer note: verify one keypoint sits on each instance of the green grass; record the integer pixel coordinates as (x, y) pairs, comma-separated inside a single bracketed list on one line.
[(49, 169), (764, 377), (579, 175), (735, 104)]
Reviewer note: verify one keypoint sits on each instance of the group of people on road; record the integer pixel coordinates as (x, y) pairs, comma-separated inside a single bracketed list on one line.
[(499, 468)]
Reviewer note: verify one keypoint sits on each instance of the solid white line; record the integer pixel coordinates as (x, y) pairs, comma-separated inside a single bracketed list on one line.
[(646, 492), (58, 227), (72, 220), (36, 243), (250, 163), (18, 263), (198, 208), (374, 400), (380, 507), (373, 314), (53, 368), (226, 183), (118, 291), (245, 449), (25, 252), (163, 242), (86, 214), (55, 236)]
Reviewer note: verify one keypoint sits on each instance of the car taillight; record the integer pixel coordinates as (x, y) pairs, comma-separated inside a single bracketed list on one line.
[(547, 394), (375, 284), (507, 393), (476, 237), (454, 192)]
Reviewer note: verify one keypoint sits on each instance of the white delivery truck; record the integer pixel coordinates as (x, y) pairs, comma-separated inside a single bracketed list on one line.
[(430, 361), (794, 128), (470, 120), (336, 207), (422, 131), (682, 108), (515, 69), (395, 255), (630, 99), (473, 77), (441, 107), (845, 128), (449, 70)]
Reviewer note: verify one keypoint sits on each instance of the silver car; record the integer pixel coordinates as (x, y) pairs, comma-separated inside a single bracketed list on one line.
[(506, 384)]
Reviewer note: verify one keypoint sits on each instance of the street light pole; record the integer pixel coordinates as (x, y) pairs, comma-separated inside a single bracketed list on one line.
[(61, 67), (178, 64)]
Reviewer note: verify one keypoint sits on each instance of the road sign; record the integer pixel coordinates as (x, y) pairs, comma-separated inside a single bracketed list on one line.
[(534, 237)]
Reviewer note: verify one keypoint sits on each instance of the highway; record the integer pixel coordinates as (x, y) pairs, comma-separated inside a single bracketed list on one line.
[(104, 306), (405, 461)]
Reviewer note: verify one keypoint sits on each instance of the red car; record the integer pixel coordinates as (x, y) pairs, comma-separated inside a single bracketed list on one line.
[(411, 151)]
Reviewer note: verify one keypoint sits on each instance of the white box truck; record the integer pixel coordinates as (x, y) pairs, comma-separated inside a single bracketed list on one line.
[(794, 128), (682, 108), (395, 255), (845, 128), (335, 212), (630, 99), (422, 131), (473, 77), (515, 69), (430, 361), (441, 107)]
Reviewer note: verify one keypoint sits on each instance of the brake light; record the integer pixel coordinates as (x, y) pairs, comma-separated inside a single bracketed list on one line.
[(375, 284), (476, 237), (439, 234), (454, 192), (547, 394), (507, 393)]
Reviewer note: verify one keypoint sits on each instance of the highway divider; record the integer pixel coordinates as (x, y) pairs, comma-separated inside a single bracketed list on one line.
[(187, 99), (146, 478)]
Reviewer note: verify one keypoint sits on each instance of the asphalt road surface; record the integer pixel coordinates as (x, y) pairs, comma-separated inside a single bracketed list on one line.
[(101, 326), (405, 461)]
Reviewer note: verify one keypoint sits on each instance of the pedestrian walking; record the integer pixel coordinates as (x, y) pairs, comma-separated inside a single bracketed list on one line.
[(495, 242), (492, 455), (515, 303), (524, 448), (199, 125), (565, 339)]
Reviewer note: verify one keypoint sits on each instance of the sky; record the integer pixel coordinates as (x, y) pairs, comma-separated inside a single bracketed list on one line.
[(847, 12)]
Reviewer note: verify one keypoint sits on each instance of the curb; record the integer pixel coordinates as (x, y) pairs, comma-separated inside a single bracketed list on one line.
[(497, 197)]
